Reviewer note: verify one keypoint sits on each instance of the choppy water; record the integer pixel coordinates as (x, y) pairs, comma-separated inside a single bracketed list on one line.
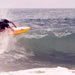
[(49, 43)]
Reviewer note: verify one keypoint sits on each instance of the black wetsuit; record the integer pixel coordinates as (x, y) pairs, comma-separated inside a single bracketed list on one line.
[(3, 26)]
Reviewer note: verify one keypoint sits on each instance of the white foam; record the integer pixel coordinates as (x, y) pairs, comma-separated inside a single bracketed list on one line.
[(36, 36), (42, 71), (57, 32), (4, 41), (61, 34)]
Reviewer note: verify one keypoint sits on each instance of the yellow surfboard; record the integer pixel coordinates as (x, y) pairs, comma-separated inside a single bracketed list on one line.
[(20, 30)]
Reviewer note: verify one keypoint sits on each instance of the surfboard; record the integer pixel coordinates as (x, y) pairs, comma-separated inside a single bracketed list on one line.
[(20, 30)]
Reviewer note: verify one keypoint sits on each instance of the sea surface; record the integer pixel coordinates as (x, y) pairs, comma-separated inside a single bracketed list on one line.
[(48, 48)]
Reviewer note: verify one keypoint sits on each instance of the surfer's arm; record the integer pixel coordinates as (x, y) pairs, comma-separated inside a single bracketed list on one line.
[(10, 28), (13, 24)]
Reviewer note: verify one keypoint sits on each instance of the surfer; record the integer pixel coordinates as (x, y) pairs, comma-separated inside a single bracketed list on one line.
[(4, 23)]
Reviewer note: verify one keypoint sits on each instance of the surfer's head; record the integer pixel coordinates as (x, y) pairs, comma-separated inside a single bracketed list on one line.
[(6, 21)]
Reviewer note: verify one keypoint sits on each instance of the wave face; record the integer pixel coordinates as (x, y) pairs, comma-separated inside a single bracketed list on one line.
[(49, 43)]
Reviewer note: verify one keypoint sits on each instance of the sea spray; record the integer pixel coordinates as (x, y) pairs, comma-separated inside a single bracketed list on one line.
[(17, 48), (4, 41)]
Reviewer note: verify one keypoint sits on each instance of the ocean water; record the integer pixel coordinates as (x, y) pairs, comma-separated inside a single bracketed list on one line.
[(47, 49)]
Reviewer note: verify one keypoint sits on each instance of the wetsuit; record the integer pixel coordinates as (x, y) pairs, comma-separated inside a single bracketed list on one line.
[(3, 26)]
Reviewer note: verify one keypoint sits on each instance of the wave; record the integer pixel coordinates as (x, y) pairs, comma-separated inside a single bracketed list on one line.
[(53, 48), (51, 39)]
